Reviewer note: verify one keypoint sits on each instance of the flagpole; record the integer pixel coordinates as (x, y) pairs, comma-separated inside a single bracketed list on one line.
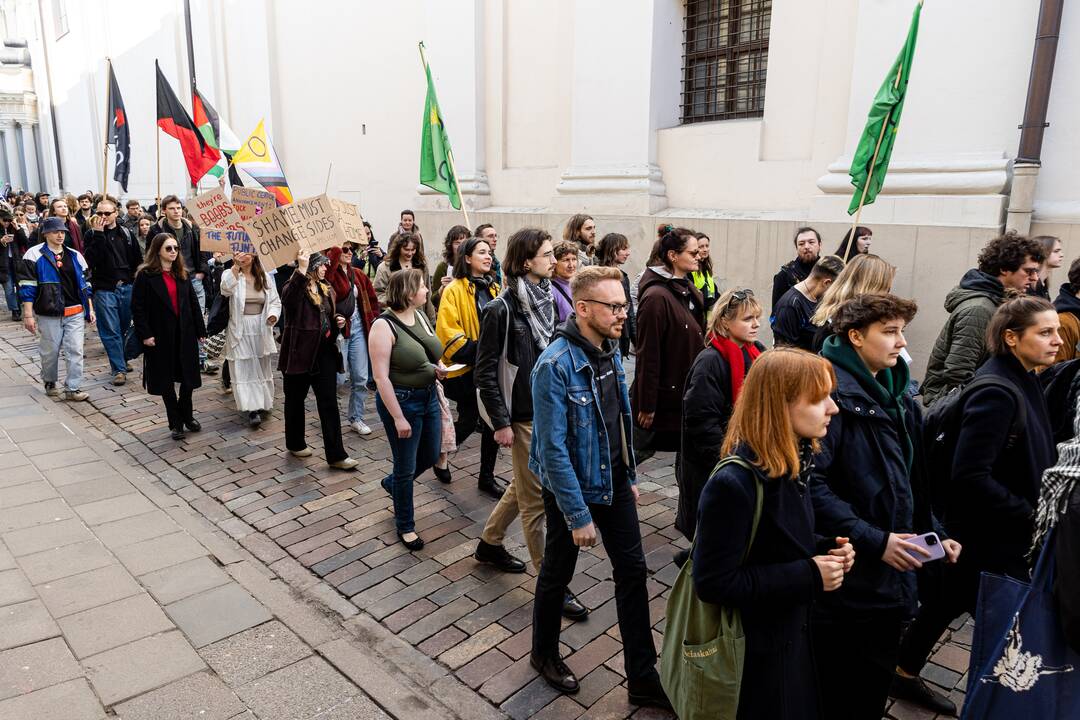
[(449, 153), (870, 173), (328, 171), (157, 134), (105, 144)]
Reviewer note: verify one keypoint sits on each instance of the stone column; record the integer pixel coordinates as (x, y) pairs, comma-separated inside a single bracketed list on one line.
[(455, 51), (623, 91), (11, 153), (29, 157)]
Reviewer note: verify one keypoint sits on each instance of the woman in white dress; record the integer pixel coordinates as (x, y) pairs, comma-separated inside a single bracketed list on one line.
[(254, 307)]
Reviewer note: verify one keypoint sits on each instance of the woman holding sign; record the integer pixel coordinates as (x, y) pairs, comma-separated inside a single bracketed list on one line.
[(169, 323), (254, 307), (310, 359)]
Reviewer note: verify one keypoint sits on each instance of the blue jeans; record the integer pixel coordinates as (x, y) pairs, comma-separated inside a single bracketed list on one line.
[(114, 324), (356, 361), (11, 292), (412, 455)]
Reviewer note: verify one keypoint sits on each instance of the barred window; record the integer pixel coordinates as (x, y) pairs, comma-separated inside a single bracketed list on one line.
[(725, 52)]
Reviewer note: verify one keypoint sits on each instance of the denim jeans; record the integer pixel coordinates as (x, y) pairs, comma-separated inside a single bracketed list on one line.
[(200, 292), (621, 533), (412, 455), (114, 323), (11, 291), (356, 361), (68, 333)]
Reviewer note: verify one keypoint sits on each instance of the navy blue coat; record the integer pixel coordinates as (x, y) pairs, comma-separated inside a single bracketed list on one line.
[(862, 490), (774, 589)]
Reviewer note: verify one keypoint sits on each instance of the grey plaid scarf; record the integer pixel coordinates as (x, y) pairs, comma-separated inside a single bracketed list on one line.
[(1057, 485), (538, 305)]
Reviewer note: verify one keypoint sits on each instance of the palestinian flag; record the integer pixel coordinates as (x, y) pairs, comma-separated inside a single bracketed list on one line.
[(119, 135), (217, 135), (173, 119)]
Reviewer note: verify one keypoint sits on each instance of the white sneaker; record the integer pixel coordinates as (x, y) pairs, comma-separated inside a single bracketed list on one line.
[(361, 427)]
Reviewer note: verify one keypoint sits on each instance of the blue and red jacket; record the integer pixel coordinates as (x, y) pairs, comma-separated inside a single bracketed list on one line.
[(39, 281)]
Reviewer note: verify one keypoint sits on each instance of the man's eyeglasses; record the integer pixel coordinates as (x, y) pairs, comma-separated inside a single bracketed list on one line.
[(1030, 272), (615, 308)]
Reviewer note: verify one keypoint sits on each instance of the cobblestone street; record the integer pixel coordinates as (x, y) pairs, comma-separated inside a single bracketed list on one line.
[(329, 536)]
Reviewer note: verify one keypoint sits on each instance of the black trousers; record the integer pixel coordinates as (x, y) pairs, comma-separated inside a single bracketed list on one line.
[(323, 381), (177, 408), (462, 390), (619, 529), (945, 593), (864, 650)]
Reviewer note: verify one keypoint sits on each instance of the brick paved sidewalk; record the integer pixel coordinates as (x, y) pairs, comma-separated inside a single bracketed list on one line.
[(331, 534)]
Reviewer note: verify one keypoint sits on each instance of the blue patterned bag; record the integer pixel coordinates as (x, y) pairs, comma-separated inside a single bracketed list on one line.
[(1021, 665)]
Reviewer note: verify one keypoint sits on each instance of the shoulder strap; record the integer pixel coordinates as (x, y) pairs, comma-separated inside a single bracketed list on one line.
[(563, 293), (759, 496), (390, 316)]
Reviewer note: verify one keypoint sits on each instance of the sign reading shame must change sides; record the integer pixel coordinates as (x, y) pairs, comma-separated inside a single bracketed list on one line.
[(311, 225)]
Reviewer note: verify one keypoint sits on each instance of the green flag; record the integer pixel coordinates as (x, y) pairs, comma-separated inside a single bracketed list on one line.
[(868, 173), (435, 151)]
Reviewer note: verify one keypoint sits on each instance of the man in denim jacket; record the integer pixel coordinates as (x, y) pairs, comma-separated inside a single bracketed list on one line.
[(582, 455)]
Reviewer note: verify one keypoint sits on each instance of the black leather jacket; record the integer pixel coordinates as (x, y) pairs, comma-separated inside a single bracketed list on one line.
[(501, 316)]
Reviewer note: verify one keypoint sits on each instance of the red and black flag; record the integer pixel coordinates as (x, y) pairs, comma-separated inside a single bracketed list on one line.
[(119, 136), (174, 120)]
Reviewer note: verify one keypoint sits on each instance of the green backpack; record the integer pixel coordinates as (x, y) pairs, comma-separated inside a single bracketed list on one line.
[(701, 663)]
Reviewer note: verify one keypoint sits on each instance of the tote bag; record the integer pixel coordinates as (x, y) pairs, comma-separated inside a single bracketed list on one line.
[(1021, 666), (701, 662)]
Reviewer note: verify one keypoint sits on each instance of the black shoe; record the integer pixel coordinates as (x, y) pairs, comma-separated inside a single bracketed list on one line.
[(680, 558), (193, 425), (178, 434), (498, 556), (254, 419), (413, 545), (649, 693), (491, 486), (442, 474), (572, 609), (16, 316), (915, 690), (556, 674)]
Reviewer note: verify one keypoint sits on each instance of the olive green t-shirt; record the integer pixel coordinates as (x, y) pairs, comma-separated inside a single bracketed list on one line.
[(409, 363)]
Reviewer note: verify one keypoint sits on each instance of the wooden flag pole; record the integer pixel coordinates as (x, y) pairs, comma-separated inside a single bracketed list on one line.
[(870, 174), (449, 153), (105, 143), (328, 171)]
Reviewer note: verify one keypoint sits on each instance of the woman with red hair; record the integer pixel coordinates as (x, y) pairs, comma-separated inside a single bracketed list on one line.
[(355, 301)]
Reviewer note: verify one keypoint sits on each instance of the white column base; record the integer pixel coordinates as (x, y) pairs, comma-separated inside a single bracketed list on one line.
[(968, 189), (612, 189)]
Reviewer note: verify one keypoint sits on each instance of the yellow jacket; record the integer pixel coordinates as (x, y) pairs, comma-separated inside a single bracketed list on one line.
[(458, 324)]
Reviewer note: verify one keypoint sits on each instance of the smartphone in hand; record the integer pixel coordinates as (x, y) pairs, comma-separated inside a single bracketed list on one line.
[(931, 543)]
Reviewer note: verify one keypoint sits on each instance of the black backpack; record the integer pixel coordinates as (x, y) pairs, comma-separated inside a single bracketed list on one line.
[(1061, 388), (941, 427)]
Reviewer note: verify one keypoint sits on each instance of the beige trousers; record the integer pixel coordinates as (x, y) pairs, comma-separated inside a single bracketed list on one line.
[(523, 496)]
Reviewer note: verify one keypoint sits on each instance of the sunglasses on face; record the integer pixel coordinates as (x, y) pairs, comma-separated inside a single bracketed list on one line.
[(169, 248), (346, 251), (105, 213)]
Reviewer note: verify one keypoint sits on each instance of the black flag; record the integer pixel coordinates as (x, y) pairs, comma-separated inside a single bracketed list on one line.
[(119, 137)]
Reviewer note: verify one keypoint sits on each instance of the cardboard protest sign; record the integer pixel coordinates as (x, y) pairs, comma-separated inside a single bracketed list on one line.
[(274, 237), (312, 224), (250, 202), (237, 241), (212, 210)]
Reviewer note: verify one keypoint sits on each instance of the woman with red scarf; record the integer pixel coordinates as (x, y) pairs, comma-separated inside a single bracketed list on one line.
[(356, 302), (712, 386)]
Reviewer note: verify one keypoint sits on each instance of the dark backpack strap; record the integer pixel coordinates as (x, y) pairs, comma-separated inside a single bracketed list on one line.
[(759, 497), (391, 318), (563, 293)]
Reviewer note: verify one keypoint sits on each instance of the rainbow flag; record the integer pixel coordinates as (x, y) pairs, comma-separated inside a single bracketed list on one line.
[(257, 158)]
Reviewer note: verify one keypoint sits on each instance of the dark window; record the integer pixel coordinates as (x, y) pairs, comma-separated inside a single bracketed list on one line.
[(725, 53)]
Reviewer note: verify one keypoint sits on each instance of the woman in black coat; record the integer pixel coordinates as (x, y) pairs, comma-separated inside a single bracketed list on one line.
[(774, 579), (169, 323), (994, 488), (713, 385)]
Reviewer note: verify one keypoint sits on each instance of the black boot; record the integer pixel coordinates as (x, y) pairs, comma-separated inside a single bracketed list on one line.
[(491, 486), (573, 609), (498, 556)]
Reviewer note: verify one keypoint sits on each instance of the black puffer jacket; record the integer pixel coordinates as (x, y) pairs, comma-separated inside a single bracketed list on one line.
[(862, 490), (502, 318)]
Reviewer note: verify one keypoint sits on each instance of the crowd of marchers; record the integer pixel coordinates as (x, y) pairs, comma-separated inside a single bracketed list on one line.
[(843, 509)]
